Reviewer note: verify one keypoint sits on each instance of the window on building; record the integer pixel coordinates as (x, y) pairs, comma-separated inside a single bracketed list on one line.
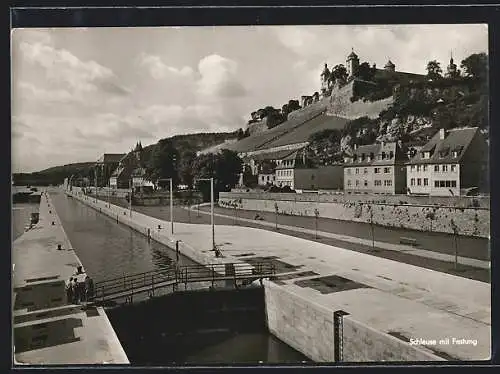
[(453, 183), (447, 183), (426, 181), (425, 167), (454, 154), (391, 154), (419, 182), (412, 168), (362, 157), (383, 155), (412, 181), (348, 182), (388, 183), (436, 168), (442, 184), (453, 168), (387, 170), (436, 183), (418, 168), (377, 183), (365, 183), (372, 156), (365, 171), (376, 170), (357, 171), (357, 182), (426, 155), (445, 168), (348, 171)]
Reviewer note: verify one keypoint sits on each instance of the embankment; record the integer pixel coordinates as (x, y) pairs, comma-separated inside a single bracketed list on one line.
[(469, 221)]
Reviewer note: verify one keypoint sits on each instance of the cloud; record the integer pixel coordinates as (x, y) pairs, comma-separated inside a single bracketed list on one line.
[(31, 92), (298, 39), (62, 66), (219, 77), (159, 70)]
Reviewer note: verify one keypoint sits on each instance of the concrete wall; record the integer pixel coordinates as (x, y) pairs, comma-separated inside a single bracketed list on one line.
[(307, 328), (361, 343), (310, 328), (471, 222)]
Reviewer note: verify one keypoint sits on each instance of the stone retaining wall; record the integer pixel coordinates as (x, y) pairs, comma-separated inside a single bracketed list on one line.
[(468, 221)]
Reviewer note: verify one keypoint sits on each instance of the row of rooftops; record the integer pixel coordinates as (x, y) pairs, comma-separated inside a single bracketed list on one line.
[(444, 147)]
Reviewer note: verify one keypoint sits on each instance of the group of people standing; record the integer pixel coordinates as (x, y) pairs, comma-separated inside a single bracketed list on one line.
[(79, 291)]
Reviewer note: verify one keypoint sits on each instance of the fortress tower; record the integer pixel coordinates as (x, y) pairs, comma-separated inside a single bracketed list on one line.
[(352, 65)]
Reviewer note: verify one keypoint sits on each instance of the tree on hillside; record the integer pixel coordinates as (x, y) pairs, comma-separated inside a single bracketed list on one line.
[(225, 167), (434, 70), (164, 162), (293, 105), (186, 172), (332, 135), (339, 73), (249, 180), (366, 72), (476, 66)]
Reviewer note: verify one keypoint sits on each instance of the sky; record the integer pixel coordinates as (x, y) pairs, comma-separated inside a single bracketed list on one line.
[(80, 92)]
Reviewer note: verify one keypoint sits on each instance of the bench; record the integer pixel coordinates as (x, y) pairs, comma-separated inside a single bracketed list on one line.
[(409, 241)]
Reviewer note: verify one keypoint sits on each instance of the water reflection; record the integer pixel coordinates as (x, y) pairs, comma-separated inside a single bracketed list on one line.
[(108, 249)]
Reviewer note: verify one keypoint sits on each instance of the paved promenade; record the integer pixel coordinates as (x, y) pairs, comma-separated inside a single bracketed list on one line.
[(352, 239), (47, 329), (394, 298)]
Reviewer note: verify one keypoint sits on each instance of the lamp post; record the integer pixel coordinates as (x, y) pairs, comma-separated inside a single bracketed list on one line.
[(211, 208), (276, 211), (171, 202), (130, 197), (95, 175), (455, 241), (316, 215), (372, 228)]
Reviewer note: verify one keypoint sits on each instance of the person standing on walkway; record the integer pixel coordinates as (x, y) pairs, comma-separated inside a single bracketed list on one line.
[(76, 296), (89, 288), (69, 291)]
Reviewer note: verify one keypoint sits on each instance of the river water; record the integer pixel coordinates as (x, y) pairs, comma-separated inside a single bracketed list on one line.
[(108, 249)]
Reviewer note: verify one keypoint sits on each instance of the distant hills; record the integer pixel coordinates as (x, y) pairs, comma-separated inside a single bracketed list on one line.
[(184, 143)]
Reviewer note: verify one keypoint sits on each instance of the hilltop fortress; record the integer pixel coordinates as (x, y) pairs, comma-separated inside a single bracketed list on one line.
[(338, 96)]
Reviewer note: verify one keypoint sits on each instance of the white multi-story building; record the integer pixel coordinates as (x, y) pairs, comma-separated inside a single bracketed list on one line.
[(449, 163), (375, 168)]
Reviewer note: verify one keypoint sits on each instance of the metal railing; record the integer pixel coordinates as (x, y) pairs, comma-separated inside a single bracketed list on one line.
[(128, 285)]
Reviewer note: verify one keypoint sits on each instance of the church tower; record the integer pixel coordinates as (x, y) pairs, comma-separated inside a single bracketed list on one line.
[(452, 68), (352, 65), (390, 66)]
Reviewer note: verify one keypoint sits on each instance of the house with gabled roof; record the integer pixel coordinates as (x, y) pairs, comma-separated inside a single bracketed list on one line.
[(451, 163), (376, 168)]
